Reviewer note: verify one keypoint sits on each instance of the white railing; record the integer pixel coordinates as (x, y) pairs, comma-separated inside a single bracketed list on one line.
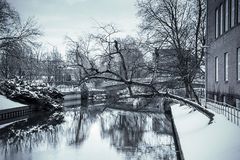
[(232, 113)]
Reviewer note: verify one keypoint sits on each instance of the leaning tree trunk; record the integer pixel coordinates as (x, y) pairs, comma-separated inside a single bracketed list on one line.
[(195, 95)]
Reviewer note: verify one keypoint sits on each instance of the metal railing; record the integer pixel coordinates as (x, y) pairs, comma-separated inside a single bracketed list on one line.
[(232, 113)]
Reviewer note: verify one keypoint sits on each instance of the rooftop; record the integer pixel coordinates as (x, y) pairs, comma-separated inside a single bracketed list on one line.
[(8, 104)]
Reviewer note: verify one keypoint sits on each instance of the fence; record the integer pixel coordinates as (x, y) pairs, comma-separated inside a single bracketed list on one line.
[(64, 88), (232, 113)]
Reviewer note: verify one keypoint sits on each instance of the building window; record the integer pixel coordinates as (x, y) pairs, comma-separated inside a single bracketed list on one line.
[(238, 11), (216, 69), (232, 13), (224, 99), (216, 23), (221, 19), (226, 15), (226, 66), (238, 103), (238, 63)]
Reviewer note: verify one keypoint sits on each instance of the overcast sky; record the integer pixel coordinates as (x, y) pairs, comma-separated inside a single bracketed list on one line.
[(59, 18)]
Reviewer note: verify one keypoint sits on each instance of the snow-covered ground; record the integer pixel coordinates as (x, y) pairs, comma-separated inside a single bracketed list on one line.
[(8, 104), (200, 141), (64, 88)]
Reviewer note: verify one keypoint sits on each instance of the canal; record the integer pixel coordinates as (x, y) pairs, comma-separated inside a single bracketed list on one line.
[(89, 133)]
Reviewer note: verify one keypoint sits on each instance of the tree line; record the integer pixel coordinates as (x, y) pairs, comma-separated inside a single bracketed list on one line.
[(168, 50), (22, 55)]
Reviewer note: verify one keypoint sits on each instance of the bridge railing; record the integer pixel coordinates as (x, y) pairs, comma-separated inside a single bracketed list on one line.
[(232, 113)]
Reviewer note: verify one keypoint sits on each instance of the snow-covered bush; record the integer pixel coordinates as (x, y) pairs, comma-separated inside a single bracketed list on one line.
[(38, 95)]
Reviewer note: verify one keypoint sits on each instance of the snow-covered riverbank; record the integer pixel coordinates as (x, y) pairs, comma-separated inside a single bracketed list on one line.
[(200, 141), (41, 96)]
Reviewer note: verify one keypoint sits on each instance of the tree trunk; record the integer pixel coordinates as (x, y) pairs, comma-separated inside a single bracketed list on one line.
[(195, 95), (187, 90)]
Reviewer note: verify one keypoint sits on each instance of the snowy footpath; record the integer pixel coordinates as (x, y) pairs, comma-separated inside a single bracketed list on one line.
[(200, 141)]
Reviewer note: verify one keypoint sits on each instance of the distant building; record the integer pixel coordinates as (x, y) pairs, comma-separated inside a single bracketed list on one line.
[(223, 52), (163, 63), (168, 68), (71, 74)]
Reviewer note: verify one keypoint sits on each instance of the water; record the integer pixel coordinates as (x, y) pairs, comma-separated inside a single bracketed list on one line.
[(89, 133)]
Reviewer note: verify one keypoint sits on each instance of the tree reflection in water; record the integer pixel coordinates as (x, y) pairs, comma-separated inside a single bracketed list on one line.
[(134, 135), (139, 135), (78, 130), (25, 135)]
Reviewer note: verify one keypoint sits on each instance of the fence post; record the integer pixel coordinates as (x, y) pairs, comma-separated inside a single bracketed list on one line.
[(221, 107), (237, 117), (234, 116), (228, 114), (224, 110)]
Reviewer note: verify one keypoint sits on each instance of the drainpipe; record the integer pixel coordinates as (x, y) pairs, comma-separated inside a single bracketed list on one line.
[(205, 53)]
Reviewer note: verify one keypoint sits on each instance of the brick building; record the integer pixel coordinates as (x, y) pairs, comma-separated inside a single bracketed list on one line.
[(223, 51)]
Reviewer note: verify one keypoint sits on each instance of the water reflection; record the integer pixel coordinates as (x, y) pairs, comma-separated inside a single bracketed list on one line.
[(137, 136), (89, 133), (81, 121), (25, 136)]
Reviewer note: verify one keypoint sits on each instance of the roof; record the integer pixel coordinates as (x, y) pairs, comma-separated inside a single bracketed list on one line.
[(9, 104)]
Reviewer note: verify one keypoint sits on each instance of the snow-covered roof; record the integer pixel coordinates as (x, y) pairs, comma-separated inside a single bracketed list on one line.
[(8, 104)]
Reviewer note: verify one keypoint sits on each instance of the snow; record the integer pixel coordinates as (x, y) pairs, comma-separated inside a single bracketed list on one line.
[(8, 104), (64, 88), (200, 141), (7, 124), (137, 102)]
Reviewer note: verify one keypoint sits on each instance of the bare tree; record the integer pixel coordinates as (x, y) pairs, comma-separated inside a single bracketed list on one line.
[(78, 53), (108, 56), (179, 26), (17, 39)]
